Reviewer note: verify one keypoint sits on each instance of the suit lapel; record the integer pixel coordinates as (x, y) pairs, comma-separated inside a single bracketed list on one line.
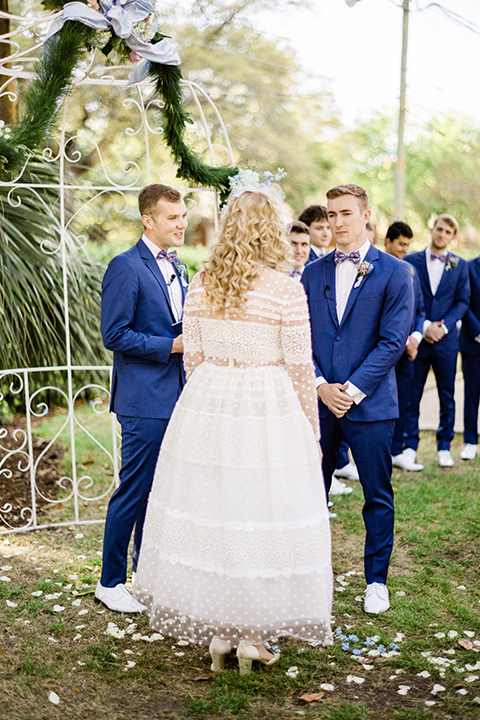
[(370, 257), (152, 266), (445, 279), (329, 289)]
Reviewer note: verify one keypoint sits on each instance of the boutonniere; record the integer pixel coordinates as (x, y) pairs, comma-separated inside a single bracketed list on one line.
[(452, 263), (181, 268), (363, 269)]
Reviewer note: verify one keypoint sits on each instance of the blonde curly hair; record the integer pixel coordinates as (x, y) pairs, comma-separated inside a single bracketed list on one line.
[(251, 234)]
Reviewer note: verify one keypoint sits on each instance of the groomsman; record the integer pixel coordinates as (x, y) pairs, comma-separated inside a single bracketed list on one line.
[(142, 297), (446, 293), (470, 349), (299, 238), (397, 241), (361, 305), (316, 218)]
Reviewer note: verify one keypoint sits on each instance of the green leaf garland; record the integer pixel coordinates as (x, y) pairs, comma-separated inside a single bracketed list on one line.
[(54, 74)]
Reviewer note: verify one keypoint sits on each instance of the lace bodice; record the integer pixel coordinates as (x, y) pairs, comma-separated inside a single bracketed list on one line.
[(275, 330)]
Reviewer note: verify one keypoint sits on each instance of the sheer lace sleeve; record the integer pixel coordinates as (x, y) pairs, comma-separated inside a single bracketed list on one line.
[(192, 332), (297, 349)]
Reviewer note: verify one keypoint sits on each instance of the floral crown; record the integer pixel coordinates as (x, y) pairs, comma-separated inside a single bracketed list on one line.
[(249, 180)]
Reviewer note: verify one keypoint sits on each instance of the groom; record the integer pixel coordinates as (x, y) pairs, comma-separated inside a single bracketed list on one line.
[(361, 308), (142, 299)]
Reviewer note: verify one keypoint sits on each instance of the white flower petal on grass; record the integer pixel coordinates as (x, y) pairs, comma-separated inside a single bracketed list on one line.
[(73, 577), (79, 662), (79, 536), (399, 637), (375, 638), (79, 627), (355, 679), (131, 628), (114, 631), (136, 636), (184, 643), (359, 598), (37, 593), (128, 652), (77, 636), (439, 635), (461, 587), (437, 688), (130, 664), (12, 604), (462, 691), (81, 557), (83, 612), (472, 668), (426, 653), (400, 593), (153, 638), (450, 651), (429, 703), (77, 603), (424, 674), (476, 700), (53, 697), (471, 678), (179, 654), (6, 568), (403, 689), (53, 596), (58, 608), (327, 687), (4, 578), (367, 667), (433, 625), (292, 671), (452, 633), (469, 633)]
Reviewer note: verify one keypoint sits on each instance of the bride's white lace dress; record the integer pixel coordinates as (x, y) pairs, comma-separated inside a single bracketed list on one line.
[(237, 531)]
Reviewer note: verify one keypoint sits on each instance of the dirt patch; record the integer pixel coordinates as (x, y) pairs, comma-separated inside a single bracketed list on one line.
[(15, 481)]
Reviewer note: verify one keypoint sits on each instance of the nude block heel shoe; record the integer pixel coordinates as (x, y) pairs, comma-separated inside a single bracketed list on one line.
[(247, 653), (218, 648)]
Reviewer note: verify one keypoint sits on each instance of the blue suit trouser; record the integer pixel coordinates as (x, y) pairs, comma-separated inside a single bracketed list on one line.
[(342, 456), (404, 371), (471, 377), (141, 440), (370, 443), (443, 361)]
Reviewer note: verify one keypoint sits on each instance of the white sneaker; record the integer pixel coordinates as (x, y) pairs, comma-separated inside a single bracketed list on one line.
[(118, 599), (469, 452), (339, 488), (445, 459), (405, 462), (348, 472), (376, 599)]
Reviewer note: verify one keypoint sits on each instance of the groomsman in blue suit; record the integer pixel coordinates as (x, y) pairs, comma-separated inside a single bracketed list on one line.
[(361, 306), (470, 349), (446, 293), (142, 299), (397, 241)]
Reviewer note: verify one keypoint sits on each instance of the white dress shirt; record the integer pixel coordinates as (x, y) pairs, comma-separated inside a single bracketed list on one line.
[(345, 275), (435, 269), (171, 279)]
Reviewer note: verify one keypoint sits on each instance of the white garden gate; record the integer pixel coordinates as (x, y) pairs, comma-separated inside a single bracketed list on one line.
[(80, 492)]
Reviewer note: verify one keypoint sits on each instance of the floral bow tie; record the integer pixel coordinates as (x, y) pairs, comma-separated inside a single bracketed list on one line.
[(165, 255), (339, 257), (442, 258)]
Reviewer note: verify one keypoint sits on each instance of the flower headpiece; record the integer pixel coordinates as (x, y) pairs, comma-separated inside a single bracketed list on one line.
[(249, 180)]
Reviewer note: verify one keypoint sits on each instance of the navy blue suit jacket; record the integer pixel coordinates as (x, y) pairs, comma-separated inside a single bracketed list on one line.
[(450, 302), (471, 319), (419, 316), (369, 341), (137, 325)]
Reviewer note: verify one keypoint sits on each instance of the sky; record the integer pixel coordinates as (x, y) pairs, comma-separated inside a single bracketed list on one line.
[(359, 49)]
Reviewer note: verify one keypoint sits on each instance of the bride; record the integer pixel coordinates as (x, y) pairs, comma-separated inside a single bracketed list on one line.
[(236, 544)]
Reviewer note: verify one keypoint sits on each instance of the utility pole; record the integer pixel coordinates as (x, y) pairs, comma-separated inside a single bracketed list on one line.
[(401, 164)]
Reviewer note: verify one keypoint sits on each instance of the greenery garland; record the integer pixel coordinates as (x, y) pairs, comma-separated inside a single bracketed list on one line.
[(54, 77)]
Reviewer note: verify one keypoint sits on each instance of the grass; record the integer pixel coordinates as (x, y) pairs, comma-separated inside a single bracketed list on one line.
[(131, 675)]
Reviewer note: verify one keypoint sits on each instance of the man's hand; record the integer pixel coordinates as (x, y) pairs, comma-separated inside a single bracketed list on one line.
[(177, 345), (434, 332), (333, 395), (412, 347)]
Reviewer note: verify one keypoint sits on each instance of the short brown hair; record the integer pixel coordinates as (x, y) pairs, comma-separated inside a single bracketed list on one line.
[(314, 213), (449, 220), (151, 194), (297, 226), (350, 189)]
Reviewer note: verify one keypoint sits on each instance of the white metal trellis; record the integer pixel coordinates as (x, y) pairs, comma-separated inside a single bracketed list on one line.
[(79, 489)]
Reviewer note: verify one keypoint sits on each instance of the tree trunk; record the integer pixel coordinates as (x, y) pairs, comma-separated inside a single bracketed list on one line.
[(8, 109)]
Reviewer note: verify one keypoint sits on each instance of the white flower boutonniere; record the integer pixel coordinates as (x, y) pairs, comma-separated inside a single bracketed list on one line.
[(363, 269), (181, 268), (452, 263)]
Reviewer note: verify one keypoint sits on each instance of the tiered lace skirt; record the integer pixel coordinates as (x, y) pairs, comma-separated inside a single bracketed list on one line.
[(237, 531)]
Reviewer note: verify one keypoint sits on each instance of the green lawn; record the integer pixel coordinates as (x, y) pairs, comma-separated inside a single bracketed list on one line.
[(57, 641)]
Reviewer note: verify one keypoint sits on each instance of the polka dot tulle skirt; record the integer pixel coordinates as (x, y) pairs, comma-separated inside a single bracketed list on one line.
[(237, 530)]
